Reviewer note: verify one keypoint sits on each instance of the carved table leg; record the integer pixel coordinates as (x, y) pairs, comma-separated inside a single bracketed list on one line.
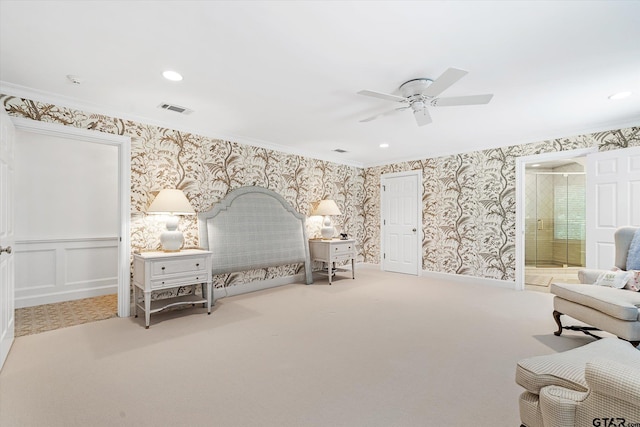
[(556, 317)]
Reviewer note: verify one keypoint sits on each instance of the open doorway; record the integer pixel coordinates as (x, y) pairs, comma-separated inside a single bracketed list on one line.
[(82, 264), (550, 218), (555, 222)]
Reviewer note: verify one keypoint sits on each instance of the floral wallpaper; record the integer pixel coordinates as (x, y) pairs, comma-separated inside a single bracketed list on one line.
[(206, 169), (468, 210), (468, 199)]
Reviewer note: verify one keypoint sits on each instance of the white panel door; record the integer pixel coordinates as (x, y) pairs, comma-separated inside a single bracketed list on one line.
[(400, 223), (7, 269), (613, 200)]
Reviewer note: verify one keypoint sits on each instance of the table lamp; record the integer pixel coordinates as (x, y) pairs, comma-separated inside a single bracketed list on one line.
[(327, 208), (172, 203)]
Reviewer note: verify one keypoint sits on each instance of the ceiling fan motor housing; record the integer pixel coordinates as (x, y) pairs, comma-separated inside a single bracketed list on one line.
[(414, 87)]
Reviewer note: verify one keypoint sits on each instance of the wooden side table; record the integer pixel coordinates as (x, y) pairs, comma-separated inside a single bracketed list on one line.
[(332, 251), (154, 271)]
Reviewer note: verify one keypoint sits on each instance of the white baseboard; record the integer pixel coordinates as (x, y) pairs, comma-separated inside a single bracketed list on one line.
[(454, 277), (470, 279), (41, 299)]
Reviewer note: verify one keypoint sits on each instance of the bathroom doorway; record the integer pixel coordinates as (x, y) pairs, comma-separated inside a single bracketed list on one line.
[(555, 222)]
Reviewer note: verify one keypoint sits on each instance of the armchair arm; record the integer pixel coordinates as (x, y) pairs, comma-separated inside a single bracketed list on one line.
[(589, 275), (558, 405), (614, 391), (615, 380)]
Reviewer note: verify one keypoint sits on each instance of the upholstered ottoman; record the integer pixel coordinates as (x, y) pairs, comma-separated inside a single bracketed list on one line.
[(556, 384)]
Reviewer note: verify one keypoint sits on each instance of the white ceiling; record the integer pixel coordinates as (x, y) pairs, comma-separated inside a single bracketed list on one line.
[(285, 74)]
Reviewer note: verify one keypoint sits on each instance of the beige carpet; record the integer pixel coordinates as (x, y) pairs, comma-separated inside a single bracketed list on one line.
[(47, 317), (381, 350)]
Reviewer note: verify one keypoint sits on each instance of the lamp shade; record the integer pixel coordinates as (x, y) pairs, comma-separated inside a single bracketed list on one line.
[(326, 207), (172, 202)]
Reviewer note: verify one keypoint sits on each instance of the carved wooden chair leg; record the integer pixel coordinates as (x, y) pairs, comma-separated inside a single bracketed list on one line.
[(583, 329), (556, 317)]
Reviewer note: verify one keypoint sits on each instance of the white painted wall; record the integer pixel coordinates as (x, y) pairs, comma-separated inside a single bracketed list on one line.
[(67, 218), (65, 188)]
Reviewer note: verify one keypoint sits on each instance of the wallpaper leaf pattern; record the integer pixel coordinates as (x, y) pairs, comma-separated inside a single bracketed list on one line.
[(468, 206), (206, 169)]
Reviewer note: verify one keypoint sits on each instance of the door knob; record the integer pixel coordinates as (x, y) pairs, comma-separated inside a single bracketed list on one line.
[(7, 249)]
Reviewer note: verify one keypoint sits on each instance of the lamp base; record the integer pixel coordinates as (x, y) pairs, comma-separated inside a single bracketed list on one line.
[(172, 238), (327, 231)]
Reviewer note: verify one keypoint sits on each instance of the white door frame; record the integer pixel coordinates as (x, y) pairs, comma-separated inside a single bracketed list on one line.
[(418, 174), (521, 163), (123, 144)]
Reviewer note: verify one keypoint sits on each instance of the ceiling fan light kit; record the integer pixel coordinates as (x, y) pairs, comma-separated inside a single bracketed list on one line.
[(420, 92)]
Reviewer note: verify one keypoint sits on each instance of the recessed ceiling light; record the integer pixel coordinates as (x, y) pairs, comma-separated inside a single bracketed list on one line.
[(384, 145), (172, 75), (620, 95), (74, 79)]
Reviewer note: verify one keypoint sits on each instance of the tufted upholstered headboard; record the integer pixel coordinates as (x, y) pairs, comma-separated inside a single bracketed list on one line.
[(251, 228)]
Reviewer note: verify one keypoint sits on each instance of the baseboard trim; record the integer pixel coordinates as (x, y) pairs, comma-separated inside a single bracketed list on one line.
[(30, 301), (470, 279), (259, 285)]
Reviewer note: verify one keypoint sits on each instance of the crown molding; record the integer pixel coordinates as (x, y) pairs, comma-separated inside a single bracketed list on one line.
[(11, 89), (534, 139)]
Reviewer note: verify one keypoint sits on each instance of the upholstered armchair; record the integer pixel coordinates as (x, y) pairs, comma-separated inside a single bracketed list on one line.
[(594, 385), (605, 308)]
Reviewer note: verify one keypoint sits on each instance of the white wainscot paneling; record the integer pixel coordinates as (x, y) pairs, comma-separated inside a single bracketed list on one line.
[(42, 278), (55, 270)]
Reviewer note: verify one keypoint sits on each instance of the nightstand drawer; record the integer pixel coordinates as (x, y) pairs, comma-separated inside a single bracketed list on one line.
[(342, 249), (177, 266), (177, 281), (341, 256)]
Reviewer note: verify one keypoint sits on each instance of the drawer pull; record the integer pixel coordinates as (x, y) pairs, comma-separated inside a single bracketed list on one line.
[(162, 268), (163, 283), (198, 265)]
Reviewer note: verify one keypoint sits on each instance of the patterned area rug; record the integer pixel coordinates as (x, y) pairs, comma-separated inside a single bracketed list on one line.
[(42, 318)]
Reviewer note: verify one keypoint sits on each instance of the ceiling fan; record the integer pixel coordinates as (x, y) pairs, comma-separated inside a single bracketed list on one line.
[(417, 94)]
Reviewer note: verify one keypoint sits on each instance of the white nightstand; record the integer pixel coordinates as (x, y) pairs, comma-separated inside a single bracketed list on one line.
[(154, 271), (332, 251)]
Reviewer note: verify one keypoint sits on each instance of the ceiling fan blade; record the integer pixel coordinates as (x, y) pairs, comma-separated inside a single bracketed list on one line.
[(380, 95), (440, 84), (452, 101), (422, 117), (386, 113)]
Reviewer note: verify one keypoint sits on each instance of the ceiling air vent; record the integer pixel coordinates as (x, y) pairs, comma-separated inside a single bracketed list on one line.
[(176, 108), (340, 150)]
